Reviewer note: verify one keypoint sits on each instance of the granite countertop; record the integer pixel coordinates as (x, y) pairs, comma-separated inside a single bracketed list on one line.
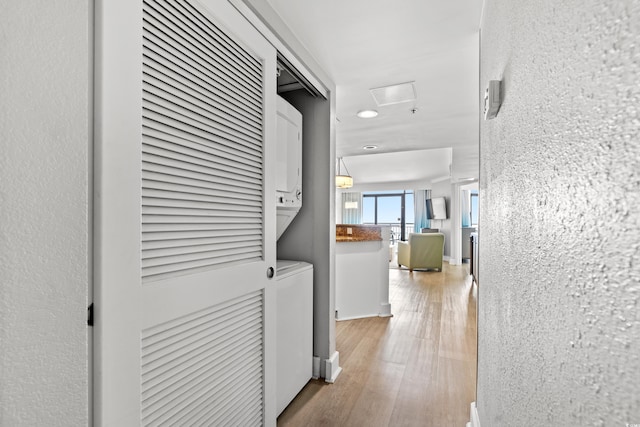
[(358, 233), (357, 239)]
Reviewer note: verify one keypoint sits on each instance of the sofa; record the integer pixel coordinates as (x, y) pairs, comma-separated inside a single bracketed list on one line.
[(422, 251)]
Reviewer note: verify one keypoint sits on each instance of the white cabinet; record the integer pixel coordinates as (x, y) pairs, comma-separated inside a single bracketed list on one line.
[(294, 330)]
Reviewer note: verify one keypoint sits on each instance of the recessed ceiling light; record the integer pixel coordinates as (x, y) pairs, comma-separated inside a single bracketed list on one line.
[(369, 147), (367, 114)]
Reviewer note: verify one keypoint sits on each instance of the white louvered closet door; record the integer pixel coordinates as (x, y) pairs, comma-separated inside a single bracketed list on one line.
[(185, 221)]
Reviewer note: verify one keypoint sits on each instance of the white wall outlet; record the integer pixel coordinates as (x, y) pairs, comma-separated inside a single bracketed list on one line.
[(349, 230)]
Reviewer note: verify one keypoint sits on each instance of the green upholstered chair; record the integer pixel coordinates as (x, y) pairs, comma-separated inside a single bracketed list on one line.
[(422, 251)]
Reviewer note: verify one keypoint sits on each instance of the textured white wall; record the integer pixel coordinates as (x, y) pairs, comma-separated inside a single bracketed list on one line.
[(44, 225), (559, 322)]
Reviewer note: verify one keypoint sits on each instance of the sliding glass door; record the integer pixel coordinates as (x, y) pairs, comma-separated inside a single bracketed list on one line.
[(392, 208)]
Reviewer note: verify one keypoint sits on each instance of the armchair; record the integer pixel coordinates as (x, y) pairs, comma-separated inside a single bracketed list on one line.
[(423, 251)]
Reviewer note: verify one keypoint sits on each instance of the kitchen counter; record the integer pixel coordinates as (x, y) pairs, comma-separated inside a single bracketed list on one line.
[(362, 272), (355, 239), (358, 233)]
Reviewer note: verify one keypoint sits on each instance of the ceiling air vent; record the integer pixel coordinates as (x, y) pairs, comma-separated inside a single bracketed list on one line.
[(394, 94)]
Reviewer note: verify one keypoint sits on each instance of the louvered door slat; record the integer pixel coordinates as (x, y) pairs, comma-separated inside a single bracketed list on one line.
[(169, 242), (179, 167), (162, 393), (163, 38), (159, 333), (195, 184), (184, 266), (206, 40), (212, 31), (177, 25), (189, 341), (177, 197), (188, 79), (190, 380), (177, 116), (204, 367), (204, 135), (163, 230), (217, 318), (158, 188), (189, 106), (191, 63), (156, 240), (247, 418), (186, 408), (189, 252), (206, 161), (219, 213), (196, 210), (164, 136), (167, 256), (233, 407), (164, 234), (181, 222), (197, 100), (211, 181), (197, 138)]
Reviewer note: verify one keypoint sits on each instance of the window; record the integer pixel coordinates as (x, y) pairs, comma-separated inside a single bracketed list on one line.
[(392, 208), (368, 210), (475, 209)]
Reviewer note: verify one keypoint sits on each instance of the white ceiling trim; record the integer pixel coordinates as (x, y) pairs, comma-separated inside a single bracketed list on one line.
[(251, 16)]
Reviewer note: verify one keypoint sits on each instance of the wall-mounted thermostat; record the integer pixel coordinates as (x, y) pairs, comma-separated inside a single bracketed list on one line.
[(492, 99)]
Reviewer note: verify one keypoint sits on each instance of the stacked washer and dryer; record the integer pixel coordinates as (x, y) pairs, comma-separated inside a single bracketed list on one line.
[(294, 279)]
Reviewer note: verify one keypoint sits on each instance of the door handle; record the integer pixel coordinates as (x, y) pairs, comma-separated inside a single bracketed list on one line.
[(270, 272)]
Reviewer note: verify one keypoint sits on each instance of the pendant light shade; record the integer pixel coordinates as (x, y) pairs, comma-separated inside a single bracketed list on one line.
[(343, 181)]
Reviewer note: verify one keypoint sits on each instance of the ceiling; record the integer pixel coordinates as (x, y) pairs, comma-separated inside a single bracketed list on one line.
[(364, 44)]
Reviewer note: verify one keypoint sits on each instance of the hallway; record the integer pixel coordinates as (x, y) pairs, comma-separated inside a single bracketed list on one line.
[(417, 368)]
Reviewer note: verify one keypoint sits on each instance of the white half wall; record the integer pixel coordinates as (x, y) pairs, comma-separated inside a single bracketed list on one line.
[(558, 318), (45, 169)]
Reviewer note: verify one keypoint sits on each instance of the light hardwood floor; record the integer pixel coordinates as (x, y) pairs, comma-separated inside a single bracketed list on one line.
[(417, 368)]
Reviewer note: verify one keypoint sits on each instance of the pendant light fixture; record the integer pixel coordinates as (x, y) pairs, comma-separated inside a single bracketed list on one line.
[(343, 181)]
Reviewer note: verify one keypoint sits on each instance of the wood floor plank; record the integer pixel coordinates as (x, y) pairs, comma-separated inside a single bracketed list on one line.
[(376, 401), (417, 368), (416, 390)]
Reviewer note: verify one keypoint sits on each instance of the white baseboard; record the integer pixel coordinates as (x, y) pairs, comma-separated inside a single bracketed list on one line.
[(475, 419), (366, 316), (385, 310), (451, 260), (315, 372), (332, 368)]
